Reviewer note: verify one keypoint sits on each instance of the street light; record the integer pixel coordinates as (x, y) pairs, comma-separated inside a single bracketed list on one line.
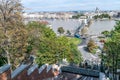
[(102, 69)]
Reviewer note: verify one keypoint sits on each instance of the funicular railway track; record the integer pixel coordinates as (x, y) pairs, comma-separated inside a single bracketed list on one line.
[(87, 78)]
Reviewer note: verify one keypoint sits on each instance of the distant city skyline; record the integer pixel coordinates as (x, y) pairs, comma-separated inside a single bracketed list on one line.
[(70, 5)]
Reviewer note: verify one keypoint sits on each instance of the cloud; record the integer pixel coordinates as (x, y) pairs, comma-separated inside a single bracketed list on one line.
[(57, 5)]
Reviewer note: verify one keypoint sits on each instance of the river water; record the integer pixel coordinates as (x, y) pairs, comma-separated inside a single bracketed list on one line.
[(95, 28), (98, 26), (72, 24)]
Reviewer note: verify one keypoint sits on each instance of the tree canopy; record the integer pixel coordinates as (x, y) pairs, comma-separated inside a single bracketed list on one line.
[(61, 30), (92, 46), (19, 41), (106, 33), (50, 48), (84, 30), (13, 37), (77, 16), (102, 16), (111, 48)]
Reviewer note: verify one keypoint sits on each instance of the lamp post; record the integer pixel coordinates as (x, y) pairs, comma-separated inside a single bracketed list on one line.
[(57, 58), (113, 67), (102, 52), (101, 67)]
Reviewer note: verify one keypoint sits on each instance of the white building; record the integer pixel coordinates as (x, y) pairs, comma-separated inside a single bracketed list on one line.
[(47, 15)]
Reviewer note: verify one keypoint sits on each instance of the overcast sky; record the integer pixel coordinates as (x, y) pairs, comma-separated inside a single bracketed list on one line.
[(68, 5)]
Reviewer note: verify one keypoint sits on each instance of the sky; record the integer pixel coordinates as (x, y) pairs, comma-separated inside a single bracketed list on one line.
[(70, 5)]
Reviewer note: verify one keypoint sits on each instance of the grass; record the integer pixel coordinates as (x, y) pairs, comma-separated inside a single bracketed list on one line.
[(75, 41)]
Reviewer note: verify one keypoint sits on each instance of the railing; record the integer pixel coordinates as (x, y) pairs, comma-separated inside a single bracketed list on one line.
[(77, 30), (81, 71)]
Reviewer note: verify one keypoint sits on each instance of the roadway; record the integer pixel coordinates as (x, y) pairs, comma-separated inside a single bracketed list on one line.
[(85, 54)]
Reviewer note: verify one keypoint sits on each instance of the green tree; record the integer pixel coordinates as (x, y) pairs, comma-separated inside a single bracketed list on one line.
[(92, 46), (84, 30), (42, 41), (111, 49), (68, 49), (102, 16), (34, 37), (77, 16), (96, 17), (112, 57), (117, 27), (68, 32), (48, 47), (76, 56), (60, 30), (106, 33)]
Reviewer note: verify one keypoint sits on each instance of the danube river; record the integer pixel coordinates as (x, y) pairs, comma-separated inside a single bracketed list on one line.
[(95, 28), (72, 24), (98, 26)]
